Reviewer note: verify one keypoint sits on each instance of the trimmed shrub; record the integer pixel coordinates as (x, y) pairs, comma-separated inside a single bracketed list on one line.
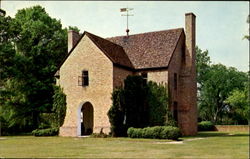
[(46, 132), (156, 132), (205, 126)]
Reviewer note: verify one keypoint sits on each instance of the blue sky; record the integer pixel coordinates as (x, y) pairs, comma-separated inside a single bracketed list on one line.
[(220, 25)]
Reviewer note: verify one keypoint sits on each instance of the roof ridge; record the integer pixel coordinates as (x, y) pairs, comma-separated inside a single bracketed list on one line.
[(145, 33), (91, 34)]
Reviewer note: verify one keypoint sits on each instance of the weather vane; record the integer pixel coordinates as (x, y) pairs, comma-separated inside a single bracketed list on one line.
[(127, 15)]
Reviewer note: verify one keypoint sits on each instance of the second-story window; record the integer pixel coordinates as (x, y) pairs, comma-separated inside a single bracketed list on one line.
[(85, 78)]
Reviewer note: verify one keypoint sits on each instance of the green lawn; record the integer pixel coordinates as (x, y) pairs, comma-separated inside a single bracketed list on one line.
[(214, 145)]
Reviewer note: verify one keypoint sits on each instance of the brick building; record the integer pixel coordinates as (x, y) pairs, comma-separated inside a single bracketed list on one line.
[(95, 66)]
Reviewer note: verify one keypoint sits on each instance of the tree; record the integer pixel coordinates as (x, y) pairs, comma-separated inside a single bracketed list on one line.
[(7, 51), (75, 28), (116, 113), (157, 103), (202, 66), (38, 45), (9, 64), (135, 102), (239, 105), (216, 90), (138, 105)]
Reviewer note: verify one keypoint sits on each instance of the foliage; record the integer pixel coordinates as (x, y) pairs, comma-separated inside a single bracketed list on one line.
[(238, 102), (135, 102), (116, 113), (46, 132), (32, 44), (202, 66), (157, 103), (216, 90), (215, 84), (59, 105), (138, 105), (74, 28), (157, 132), (7, 51), (205, 126), (170, 121)]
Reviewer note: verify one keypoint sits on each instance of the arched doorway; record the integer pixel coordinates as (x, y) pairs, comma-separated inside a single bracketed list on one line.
[(86, 119)]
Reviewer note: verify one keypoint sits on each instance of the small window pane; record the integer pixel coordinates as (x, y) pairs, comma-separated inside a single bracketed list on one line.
[(85, 73), (85, 78), (85, 81)]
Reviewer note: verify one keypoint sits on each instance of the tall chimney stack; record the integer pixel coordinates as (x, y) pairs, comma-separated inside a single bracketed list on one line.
[(187, 114), (190, 39), (73, 38)]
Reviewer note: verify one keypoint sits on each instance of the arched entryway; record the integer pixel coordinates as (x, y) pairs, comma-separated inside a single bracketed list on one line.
[(86, 116)]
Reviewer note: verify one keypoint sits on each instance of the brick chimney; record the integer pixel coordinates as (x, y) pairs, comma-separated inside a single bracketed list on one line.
[(187, 113), (190, 39), (73, 38)]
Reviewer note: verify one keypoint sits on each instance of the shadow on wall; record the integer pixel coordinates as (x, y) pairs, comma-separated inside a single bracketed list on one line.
[(87, 119)]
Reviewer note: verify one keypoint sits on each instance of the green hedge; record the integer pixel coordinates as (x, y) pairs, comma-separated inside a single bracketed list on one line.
[(46, 132), (205, 126), (156, 132)]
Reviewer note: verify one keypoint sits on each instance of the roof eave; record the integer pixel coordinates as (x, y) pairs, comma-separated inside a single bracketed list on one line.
[(182, 32), (59, 66)]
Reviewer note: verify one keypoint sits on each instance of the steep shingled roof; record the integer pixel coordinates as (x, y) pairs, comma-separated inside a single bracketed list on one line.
[(150, 50), (113, 51), (138, 51)]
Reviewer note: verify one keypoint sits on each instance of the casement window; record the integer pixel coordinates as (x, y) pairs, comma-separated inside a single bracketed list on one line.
[(84, 79), (175, 81), (145, 77)]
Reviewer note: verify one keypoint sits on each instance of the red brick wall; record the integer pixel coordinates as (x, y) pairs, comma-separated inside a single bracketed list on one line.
[(73, 38), (230, 128), (187, 82)]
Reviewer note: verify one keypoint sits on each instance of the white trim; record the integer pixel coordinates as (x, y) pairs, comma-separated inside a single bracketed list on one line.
[(78, 115), (78, 120)]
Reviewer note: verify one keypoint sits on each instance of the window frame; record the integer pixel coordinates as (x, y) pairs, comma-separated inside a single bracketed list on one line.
[(83, 80)]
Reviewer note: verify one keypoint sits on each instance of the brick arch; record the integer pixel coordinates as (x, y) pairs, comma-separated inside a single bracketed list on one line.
[(85, 118)]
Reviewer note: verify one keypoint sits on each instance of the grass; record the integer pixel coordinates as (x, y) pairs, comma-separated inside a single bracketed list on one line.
[(214, 145)]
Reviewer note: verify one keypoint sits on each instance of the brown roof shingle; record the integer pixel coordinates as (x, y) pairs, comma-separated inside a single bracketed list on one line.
[(139, 51), (149, 50), (113, 51)]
